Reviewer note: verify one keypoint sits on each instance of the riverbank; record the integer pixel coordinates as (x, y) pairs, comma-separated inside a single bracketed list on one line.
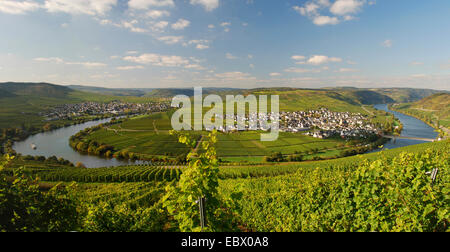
[(431, 124)]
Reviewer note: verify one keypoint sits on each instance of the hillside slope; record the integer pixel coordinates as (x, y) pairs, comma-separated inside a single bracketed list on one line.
[(402, 95), (36, 89), (433, 109), (111, 91)]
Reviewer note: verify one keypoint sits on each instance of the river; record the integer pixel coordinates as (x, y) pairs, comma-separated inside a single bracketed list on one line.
[(412, 127), (56, 143)]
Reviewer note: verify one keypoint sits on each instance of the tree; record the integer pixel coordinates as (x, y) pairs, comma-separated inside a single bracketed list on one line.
[(199, 180)]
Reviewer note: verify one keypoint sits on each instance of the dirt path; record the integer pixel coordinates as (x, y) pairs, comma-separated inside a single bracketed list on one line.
[(368, 111), (156, 129)]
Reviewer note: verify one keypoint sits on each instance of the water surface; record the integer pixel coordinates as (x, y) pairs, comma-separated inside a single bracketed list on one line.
[(412, 127), (56, 143)]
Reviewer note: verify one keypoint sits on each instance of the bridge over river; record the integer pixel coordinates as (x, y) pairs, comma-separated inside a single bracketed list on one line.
[(410, 138)]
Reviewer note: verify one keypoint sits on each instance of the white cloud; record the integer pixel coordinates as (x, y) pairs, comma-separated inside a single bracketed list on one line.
[(234, 76), (88, 7), (325, 20), (387, 43), (274, 74), (202, 47), (230, 56), (348, 70), (105, 21), (194, 66), (52, 59), (159, 26), (200, 44), (321, 59), (209, 5), (181, 24), (155, 14), (61, 61), (298, 57), (145, 4), (18, 7), (318, 11), (158, 60), (211, 26), (126, 68), (171, 40), (301, 70), (225, 26), (345, 7), (131, 25), (87, 64)]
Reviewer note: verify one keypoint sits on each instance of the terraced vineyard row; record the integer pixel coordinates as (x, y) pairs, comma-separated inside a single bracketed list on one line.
[(348, 163), (142, 194), (119, 174), (148, 173)]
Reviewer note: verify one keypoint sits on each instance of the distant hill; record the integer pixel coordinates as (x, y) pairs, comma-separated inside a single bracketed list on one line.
[(35, 89), (171, 92), (112, 91), (440, 101), (367, 96), (402, 95), (433, 109)]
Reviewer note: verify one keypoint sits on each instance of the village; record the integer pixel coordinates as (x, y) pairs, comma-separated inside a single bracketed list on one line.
[(94, 108), (324, 123), (321, 123)]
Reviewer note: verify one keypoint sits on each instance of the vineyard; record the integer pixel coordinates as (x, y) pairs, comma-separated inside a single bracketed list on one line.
[(107, 175), (387, 191), (385, 195), (160, 172)]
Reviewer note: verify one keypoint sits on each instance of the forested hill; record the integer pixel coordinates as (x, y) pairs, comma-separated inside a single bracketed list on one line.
[(35, 89), (402, 95)]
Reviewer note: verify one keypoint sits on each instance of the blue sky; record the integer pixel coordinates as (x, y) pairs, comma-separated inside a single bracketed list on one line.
[(227, 43)]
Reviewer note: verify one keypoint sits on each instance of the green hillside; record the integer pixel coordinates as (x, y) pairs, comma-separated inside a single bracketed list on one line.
[(303, 100), (36, 89), (402, 95), (434, 109), (5, 94), (21, 103), (367, 97), (384, 95), (111, 91)]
